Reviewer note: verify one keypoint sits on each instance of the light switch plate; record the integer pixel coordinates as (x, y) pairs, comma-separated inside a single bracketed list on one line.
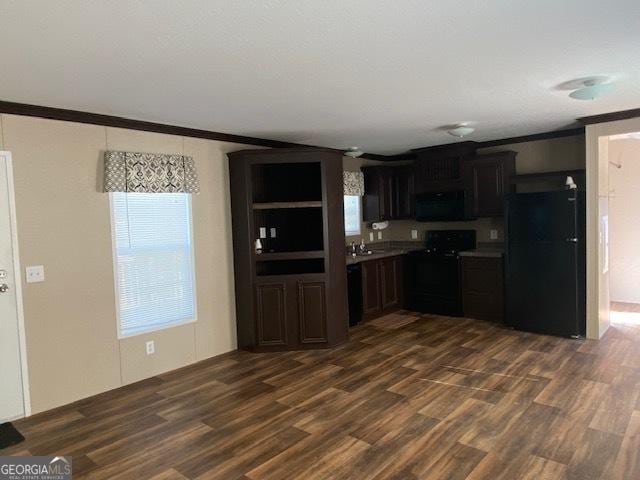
[(493, 234), (263, 232), (272, 232), (414, 234), (379, 235), (371, 236), (35, 273)]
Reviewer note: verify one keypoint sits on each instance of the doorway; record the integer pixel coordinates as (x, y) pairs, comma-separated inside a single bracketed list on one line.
[(14, 392), (624, 228)]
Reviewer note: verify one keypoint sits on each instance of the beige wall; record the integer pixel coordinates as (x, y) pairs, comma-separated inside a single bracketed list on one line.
[(64, 224), (624, 220), (566, 153)]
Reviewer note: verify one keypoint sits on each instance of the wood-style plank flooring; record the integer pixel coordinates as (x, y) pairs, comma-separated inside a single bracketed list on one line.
[(409, 397)]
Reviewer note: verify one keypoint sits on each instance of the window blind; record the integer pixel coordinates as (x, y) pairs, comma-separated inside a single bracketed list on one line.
[(351, 215), (154, 262)]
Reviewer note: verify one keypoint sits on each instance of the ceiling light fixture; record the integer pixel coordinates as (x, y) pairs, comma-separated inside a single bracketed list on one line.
[(592, 88), (354, 152), (461, 130)]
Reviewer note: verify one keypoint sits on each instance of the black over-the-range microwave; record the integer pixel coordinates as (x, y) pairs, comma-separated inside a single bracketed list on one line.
[(441, 206)]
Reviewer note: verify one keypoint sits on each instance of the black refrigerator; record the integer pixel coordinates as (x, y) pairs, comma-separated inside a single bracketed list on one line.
[(545, 262)]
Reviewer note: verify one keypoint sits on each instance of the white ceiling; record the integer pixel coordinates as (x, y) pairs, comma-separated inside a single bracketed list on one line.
[(380, 74)]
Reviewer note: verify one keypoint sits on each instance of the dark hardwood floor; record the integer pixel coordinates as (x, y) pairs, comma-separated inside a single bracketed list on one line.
[(409, 397)]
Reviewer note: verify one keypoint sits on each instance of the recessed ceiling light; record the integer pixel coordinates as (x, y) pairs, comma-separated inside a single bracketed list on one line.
[(461, 130), (354, 152), (592, 88)]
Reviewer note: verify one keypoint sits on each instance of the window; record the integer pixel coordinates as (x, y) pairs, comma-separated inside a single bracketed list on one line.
[(351, 215), (153, 256)]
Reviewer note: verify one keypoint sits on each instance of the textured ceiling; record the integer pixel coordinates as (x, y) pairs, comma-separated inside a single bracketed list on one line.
[(382, 75)]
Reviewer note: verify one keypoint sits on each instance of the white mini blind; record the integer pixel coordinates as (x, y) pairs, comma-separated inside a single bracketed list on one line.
[(154, 261), (351, 215)]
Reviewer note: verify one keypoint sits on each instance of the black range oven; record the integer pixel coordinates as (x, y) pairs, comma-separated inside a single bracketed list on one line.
[(433, 274)]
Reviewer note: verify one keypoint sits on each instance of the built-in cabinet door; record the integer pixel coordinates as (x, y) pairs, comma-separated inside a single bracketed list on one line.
[(312, 312), (370, 289), (389, 287), (271, 314)]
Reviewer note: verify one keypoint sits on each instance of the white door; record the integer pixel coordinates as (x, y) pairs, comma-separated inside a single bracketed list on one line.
[(12, 394)]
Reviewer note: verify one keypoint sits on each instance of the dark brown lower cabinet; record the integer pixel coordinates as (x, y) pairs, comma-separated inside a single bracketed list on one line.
[(371, 301), (291, 313), (271, 312), (381, 286), (483, 288)]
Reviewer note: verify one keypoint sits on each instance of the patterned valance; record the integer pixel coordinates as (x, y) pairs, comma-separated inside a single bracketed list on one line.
[(149, 173), (353, 183)]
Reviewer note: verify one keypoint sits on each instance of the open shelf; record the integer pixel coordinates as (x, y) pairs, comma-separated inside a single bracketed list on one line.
[(278, 205), (286, 182), (290, 267), (296, 230), (267, 256)]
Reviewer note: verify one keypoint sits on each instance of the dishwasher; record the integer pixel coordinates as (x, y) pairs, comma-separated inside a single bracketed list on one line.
[(354, 288)]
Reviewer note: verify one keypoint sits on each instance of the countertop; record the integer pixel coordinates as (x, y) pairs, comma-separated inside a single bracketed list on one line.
[(483, 252), (378, 254)]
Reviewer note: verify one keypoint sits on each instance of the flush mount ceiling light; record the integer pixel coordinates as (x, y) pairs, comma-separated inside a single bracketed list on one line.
[(354, 152), (461, 130), (592, 88)]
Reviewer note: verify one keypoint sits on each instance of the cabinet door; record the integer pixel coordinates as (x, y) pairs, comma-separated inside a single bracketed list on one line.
[(389, 286), (404, 194), (488, 193), (488, 179), (378, 204), (312, 312), (372, 191), (483, 288), (271, 313), (370, 289)]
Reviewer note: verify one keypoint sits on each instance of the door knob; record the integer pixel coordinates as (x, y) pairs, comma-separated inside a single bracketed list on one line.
[(4, 287)]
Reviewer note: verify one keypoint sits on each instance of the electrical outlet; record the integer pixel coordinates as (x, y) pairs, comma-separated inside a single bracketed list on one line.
[(379, 235), (263, 232), (151, 347), (272, 232), (371, 236), (414, 234), (493, 234), (35, 274)]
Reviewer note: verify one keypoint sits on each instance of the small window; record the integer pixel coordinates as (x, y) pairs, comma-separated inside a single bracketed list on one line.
[(153, 257), (351, 215)]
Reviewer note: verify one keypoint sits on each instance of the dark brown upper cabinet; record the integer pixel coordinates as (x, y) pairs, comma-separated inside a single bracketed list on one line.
[(389, 193), (404, 202), (440, 169), (487, 179)]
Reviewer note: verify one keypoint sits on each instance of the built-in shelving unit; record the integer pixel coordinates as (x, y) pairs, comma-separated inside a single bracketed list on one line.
[(292, 293)]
